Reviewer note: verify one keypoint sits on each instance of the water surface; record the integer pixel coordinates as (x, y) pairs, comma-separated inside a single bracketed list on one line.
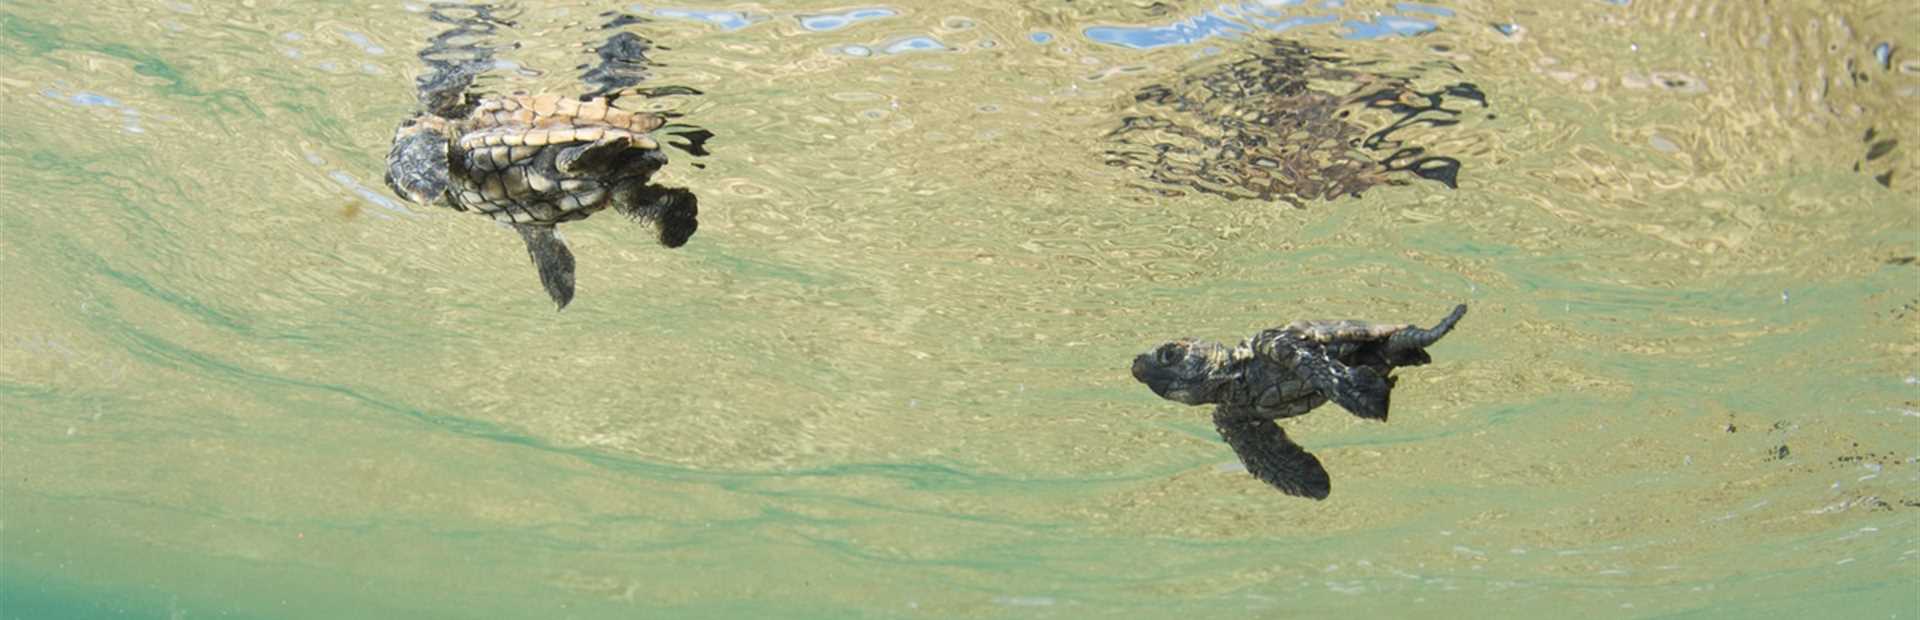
[(888, 376)]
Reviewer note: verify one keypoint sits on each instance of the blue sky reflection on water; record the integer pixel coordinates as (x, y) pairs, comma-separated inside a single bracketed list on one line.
[(827, 22), (1234, 21), (725, 20)]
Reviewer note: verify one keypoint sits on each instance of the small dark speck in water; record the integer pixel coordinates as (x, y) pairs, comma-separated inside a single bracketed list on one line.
[(621, 20), (1780, 453), (1903, 260)]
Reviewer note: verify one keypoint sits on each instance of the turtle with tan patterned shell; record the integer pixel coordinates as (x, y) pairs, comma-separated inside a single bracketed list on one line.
[(1286, 372), (532, 162)]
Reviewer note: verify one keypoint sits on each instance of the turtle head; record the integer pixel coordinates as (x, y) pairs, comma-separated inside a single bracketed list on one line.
[(417, 164), (1194, 372)]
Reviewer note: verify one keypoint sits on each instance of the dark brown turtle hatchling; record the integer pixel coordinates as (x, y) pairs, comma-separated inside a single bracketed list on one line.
[(1286, 372), (534, 161)]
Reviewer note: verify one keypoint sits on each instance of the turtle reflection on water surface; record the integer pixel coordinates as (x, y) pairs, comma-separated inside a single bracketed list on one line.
[(1266, 128)]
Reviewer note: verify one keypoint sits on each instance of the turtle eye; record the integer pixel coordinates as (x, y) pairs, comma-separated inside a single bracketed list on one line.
[(1168, 355)]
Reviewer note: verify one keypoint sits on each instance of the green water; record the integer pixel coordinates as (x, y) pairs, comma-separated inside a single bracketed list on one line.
[(888, 376)]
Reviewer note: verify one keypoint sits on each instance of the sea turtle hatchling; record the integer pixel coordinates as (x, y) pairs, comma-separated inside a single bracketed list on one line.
[(534, 161), (1286, 372)]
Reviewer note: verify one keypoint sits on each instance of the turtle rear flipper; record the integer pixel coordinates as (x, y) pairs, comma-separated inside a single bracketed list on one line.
[(597, 155), (673, 211), (1270, 456), (1416, 338), (417, 163), (1357, 389), (551, 256)]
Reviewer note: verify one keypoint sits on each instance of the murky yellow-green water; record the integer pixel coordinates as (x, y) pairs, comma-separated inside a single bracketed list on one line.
[(888, 376)]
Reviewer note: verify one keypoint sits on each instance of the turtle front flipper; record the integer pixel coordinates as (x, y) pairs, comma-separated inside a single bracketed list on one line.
[(553, 259), (674, 212), (1270, 456), (1357, 389)]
